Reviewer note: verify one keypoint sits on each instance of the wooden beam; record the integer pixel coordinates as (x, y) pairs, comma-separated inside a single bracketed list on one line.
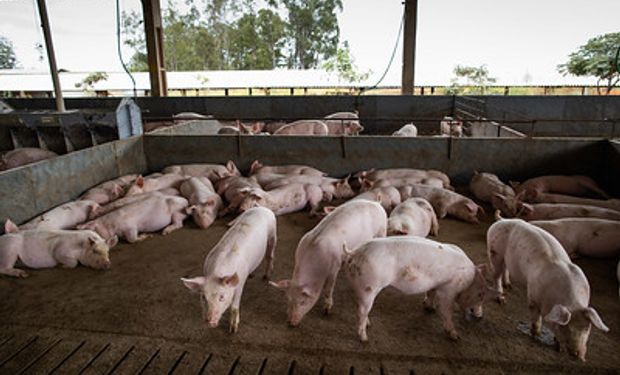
[(51, 57), (153, 30), (409, 43)]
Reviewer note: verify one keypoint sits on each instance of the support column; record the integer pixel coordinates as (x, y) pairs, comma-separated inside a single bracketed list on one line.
[(51, 57), (409, 42), (153, 30)]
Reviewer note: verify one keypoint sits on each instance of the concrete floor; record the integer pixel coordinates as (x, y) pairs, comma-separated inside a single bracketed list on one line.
[(138, 318)]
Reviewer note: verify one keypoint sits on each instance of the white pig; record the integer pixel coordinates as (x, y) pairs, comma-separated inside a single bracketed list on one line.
[(416, 265), (413, 217), (557, 289), (570, 185), (204, 202), (388, 197), (257, 167), (238, 253), (65, 216), (213, 172), (408, 130), (286, 199), (445, 202), (319, 254), (47, 248), (382, 174), (612, 204), (109, 190), (156, 182), (346, 123), (303, 127), (550, 211)]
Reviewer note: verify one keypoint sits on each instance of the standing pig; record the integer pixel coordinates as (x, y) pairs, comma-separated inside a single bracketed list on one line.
[(213, 172), (408, 130), (343, 123), (319, 254), (204, 202), (450, 127), (303, 127), (413, 217), (585, 236), (445, 202), (257, 167), (238, 253), (557, 289), (550, 211), (387, 196), (65, 216), (416, 265), (570, 185), (47, 248), (150, 214)]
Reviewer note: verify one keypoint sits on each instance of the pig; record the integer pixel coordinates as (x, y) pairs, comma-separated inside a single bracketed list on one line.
[(214, 172), (319, 255), (569, 185), (590, 237), (408, 130), (285, 199), (413, 217), (237, 254), (382, 174), (331, 187), (451, 127), (151, 214), (47, 248), (415, 265), (109, 191), (204, 202), (234, 189), (273, 126), (190, 116), (303, 127), (612, 204), (387, 196), (257, 168), (102, 210), (343, 123), (557, 289), (156, 182), (228, 130), (23, 156), (401, 182), (487, 187), (65, 216), (445, 202), (550, 211)]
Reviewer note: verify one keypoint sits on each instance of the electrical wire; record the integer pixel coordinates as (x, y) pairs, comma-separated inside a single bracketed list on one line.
[(118, 46), (617, 60)]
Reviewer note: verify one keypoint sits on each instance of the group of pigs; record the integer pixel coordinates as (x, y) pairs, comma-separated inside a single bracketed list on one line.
[(379, 237)]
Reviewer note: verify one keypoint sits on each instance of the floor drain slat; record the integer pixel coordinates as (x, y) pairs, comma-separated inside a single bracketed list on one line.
[(94, 358), (66, 358), (151, 359), (262, 367), (205, 364), (234, 366), (47, 350), (177, 362), (118, 363), (23, 347)]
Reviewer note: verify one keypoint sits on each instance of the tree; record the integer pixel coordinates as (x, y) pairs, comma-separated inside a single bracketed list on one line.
[(258, 41), (90, 80), (7, 54), (344, 64), (470, 80), (596, 59)]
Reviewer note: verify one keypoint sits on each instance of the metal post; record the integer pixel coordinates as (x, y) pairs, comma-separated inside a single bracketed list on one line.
[(51, 57), (409, 44), (155, 47)]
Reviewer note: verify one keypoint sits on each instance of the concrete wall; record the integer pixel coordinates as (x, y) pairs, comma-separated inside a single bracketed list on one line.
[(30, 190), (492, 129)]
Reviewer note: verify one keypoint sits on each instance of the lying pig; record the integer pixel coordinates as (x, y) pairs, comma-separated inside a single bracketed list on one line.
[(156, 182), (47, 248), (151, 214), (408, 130), (319, 254), (234, 189), (204, 202), (65, 216), (382, 174), (343, 123), (569, 185), (413, 217), (285, 199), (550, 211), (557, 289), (23, 156), (110, 190), (213, 172), (487, 187), (612, 204), (388, 197), (445, 202), (102, 210), (416, 265), (257, 167), (303, 127), (331, 187), (238, 253), (401, 182), (585, 236)]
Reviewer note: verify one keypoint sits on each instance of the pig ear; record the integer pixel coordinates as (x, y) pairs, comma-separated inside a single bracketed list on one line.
[(195, 284), (596, 320), (328, 209), (190, 209), (139, 181), (231, 280), (559, 314), (256, 165), (112, 241), (282, 284), (10, 227), (499, 196), (482, 269), (256, 127), (230, 165), (481, 211), (210, 202)]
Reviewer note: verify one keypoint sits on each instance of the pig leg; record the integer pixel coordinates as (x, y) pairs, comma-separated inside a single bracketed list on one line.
[(234, 309), (499, 272), (315, 195), (536, 319), (271, 250), (66, 261), (506, 279), (445, 302), (7, 264), (131, 235), (328, 289), (429, 301), (364, 305), (177, 223)]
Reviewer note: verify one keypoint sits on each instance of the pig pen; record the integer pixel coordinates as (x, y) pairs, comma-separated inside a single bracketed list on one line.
[(138, 318)]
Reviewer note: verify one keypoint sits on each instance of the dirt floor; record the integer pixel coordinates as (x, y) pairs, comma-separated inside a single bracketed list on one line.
[(139, 318)]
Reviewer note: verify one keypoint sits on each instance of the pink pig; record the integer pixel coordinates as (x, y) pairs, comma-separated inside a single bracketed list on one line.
[(401, 182), (303, 127), (251, 237), (109, 191), (413, 217), (557, 289), (204, 202), (156, 182), (487, 187), (381, 174), (550, 211), (283, 200), (65, 216), (213, 172), (47, 248), (102, 210), (612, 204), (445, 202), (570, 185), (257, 167), (343, 123), (416, 265), (331, 187), (389, 197), (319, 254)]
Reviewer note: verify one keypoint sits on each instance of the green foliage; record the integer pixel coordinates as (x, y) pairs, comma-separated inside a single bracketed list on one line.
[(344, 64), (89, 81), (7, 54), (470, 80), (596, 59)]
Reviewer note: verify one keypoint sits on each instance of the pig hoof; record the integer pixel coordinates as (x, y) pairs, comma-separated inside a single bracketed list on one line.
[(501, 300), (233, 328), (327, 309), (454, 336), (22, 274)]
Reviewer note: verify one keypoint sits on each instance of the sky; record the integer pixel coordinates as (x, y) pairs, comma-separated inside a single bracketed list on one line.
[(519, 41)]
